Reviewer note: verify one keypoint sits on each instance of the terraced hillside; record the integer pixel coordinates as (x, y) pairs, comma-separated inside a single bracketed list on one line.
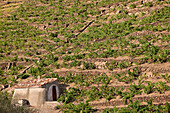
[(114, 55)]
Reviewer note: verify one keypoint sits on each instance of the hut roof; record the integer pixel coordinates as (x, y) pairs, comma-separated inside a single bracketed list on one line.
[(35, 83)]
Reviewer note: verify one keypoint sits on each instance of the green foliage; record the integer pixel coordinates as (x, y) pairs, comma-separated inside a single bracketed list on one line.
[(149, 4), (87, 65), (73, 57), (136, 107), (70, 95), (15, 58), (53, 34), (149, 88), (23, 76), (129, 77), (103, 79), (113, 64), (1, 72), (161, 87), (80, 108), (166, 77), (3, 80), (132, 6), (35, 71)]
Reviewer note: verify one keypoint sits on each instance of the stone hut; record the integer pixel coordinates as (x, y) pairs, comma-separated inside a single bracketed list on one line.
[(37, 92)]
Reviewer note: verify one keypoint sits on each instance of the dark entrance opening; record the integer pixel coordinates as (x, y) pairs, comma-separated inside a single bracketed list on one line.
[(54, 93)]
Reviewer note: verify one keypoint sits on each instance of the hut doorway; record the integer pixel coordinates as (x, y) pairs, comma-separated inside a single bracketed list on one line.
[(54, 93)]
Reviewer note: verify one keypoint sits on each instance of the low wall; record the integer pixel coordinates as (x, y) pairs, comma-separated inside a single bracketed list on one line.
[(35, 96)]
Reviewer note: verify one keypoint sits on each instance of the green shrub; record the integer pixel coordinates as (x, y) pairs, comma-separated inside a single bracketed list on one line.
[(87, 65), (132, 6), (23, 76), (149, 4), (80, 108), (1, 72)]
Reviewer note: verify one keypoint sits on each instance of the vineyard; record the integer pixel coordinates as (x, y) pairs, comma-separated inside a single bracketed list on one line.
[(113, 55)]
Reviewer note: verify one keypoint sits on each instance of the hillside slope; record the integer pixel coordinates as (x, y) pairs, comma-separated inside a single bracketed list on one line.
[(109, 52)]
